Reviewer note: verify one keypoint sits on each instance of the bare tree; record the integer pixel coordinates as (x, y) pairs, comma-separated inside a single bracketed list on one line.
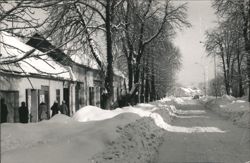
[(139, 16), (238, 10), (91, 18)]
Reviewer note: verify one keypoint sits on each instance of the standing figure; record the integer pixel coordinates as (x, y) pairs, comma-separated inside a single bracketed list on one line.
[(55, 108), (42, 111), (23, 113), (4, 111), (64, 108)]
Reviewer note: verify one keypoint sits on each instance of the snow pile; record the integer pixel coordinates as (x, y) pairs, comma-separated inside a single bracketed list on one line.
[(187, 92), (139, 142), (179, 100), (228, 98), (93, 113), (63, 139), (60, 118), (129, 134), (166, 99), (51, 142), (237, 110), (205, 99)]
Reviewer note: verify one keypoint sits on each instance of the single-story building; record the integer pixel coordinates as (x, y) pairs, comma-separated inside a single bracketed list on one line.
[(35, 79), (89, 83)]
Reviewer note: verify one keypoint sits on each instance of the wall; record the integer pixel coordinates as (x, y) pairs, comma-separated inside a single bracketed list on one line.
[(21, 84)]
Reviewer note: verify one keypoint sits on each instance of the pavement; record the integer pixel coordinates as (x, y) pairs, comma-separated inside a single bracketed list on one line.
[(232, 146)]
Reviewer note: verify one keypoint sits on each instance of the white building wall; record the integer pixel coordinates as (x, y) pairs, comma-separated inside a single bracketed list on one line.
[(21, 84)]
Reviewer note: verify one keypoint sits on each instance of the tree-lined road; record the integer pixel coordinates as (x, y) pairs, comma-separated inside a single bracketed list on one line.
[(233, 146)]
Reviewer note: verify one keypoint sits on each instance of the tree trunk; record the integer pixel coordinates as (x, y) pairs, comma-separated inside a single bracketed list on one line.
[(147, 86), (153, 91), (130, 73), (225, 72), (108, 96), (240, 87), (246, 35), (142, 92)]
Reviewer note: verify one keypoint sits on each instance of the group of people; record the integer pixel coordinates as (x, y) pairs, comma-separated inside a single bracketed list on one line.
[(43, 112), (23, 112)]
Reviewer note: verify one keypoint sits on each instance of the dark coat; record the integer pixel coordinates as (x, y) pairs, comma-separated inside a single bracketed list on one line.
[(64, 109), (23, 114), (4, 113), (55, 109)]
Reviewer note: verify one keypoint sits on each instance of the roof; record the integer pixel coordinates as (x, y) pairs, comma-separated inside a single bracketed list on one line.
[(36, 64), (85, 61), (40, 43)]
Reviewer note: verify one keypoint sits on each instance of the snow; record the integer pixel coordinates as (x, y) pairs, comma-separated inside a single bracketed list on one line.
[(237, 110), (37, 63), (187, 92), (179, 100), (129, 134)]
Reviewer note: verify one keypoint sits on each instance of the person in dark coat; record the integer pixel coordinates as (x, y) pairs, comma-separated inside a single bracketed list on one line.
[(64, 108), (55, 108), (23, 113), (42, 111), (4, 111)]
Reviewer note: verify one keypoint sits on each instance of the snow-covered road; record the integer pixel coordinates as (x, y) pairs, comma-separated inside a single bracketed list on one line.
[(169, 130), (231, 146)]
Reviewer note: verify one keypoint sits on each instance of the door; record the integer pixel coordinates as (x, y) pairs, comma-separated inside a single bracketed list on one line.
[(77, 96), (91, 96), (12, 102), (44, 96), (66, 96), (32, 102)]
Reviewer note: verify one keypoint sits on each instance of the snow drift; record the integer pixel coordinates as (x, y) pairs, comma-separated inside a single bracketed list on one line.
[(237, 110)]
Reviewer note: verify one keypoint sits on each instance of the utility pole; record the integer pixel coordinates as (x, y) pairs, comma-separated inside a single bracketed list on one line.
[(204, 77), (215, 77)]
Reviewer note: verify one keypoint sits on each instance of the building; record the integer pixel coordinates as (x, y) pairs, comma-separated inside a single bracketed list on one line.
[(46, 75), (89, 83), (34, 79)]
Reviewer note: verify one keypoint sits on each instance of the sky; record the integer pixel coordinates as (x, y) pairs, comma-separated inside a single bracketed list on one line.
[(194, 57)]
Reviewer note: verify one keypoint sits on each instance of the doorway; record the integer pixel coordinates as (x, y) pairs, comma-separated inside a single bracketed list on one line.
[(12, 102)]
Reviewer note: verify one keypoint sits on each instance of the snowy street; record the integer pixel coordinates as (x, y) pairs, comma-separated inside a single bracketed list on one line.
[(125, 81), (232, 146), (169, 130)]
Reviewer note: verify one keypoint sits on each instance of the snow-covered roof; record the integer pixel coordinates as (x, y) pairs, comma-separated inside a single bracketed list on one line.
[(37, 63), (85, 60)]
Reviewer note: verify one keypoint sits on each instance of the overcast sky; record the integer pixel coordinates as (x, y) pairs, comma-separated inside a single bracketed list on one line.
[(201, 16)]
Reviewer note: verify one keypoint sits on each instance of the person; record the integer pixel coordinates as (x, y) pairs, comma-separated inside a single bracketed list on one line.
[(4, 111), (64, 108), (55, 108), (42, 111), (23, 113)]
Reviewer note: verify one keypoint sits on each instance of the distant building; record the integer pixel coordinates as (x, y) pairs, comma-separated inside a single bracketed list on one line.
[(186, 92)]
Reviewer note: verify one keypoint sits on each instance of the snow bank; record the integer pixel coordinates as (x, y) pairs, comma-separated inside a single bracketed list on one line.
[(237, 110), (179, 100), (52, 142), (187, 92), (138, 142), (129, 134), (60, 118), (92, 113)]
